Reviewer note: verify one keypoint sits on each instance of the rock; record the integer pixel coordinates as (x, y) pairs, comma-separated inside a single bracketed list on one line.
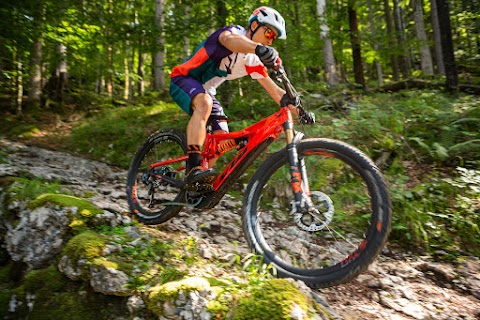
[(109, 281), (442, 272), (39, 236), (398, 285), (72, 270)]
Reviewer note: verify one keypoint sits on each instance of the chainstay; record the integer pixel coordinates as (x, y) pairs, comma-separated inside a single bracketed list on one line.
[(173, 203)]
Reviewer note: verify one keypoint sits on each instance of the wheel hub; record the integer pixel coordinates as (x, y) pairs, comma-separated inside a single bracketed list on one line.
[(317, 216)]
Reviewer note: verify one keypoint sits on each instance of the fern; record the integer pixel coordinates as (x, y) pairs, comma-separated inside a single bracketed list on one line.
[(470, 146)]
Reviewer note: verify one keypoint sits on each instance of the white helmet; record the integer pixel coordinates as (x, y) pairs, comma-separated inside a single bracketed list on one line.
[(267, 15)]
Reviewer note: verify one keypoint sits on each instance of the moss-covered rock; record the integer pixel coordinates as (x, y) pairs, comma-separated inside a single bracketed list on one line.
[(86, 210), (47, 280), (88, 245), (73, 302), (193, 292), (47, 294), (107, 279), (276, 299)]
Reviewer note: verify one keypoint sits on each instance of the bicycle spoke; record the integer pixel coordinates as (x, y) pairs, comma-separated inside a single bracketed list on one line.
[(330, 235), (152, 198)]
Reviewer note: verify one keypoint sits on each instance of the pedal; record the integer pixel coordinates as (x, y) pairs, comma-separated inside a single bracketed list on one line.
[(199, 187), (205, 184), (197, 198)]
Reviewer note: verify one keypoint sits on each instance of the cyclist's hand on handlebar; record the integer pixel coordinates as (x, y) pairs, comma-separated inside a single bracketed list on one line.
[(286, 101), (307, 118), (268, 56)]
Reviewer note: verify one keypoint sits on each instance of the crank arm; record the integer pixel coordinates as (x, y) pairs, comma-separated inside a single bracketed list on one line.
[(172, 181), (183, 204)]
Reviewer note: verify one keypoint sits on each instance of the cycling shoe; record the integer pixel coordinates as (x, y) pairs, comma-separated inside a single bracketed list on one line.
[(199, 179)]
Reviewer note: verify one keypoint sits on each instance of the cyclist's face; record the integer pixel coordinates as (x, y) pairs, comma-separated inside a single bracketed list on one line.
[(265, 35)]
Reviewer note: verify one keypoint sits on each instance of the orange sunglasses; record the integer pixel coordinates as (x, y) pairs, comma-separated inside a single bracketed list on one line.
[(269, 34)]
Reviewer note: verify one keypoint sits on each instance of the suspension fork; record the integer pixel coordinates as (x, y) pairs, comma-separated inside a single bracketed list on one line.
[(298, 172)]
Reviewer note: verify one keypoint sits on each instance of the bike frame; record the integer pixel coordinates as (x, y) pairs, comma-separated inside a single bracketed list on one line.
[(259, 136), (267, 129)]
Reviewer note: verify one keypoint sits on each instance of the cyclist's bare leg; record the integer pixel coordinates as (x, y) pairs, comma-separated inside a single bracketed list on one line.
[(196, 128)]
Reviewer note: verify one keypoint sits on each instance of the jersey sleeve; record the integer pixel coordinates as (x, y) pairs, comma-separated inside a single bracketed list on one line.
[(254, 67)]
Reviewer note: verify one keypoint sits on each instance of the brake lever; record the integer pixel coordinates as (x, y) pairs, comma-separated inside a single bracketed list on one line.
[(281, 76)]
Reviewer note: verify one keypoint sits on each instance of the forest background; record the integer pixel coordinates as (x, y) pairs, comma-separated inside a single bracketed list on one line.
[(398, 79)]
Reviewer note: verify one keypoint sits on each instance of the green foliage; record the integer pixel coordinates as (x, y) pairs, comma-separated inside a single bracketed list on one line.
[(464, 217), (30, 189), (446, 131), (48, 280), (88, 245), (146, 262), (3, 156), (440, 214), (68, 301), (120, 131), (85, 207), (75, 305), (274, 299), (5, 272)]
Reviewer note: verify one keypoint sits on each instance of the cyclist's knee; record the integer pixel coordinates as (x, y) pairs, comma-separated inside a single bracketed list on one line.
[(202, 104)]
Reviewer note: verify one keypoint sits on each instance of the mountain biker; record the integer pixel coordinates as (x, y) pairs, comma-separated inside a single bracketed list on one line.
[(229, 53)]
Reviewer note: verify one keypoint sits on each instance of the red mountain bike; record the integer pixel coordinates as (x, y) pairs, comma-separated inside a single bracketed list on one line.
[(318, 210)]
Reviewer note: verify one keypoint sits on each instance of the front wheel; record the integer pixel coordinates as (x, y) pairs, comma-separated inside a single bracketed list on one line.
[(339, 233), (150, 198)]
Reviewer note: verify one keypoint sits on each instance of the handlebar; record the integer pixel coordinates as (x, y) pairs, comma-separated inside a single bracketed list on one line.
[(280, 74)]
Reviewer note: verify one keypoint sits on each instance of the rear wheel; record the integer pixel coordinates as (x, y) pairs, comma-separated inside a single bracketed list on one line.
[(345, 228), (151, 199)]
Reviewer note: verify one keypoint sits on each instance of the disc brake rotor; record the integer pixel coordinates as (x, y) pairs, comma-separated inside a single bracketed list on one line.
[(317, 217)]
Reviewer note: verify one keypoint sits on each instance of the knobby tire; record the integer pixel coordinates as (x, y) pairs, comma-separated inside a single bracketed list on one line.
[(161, 145), (346, 237)]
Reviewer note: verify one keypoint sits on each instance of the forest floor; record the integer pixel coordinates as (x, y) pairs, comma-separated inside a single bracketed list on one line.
[(398, 285)]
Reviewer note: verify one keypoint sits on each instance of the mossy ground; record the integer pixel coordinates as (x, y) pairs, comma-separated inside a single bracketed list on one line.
[(273, 300), (156, 261), (88, 245)]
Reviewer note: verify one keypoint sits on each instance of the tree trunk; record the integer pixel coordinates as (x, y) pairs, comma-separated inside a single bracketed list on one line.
[(35, 88), (398, 18), (18, 80), (110, 68), (437, 38), (391, 40), (356, 47), (160, 84), (126, 86), (447, 45), (378, 65), (131, 79), (425, 54), (186, 38), (61, 73), (331, 76), (221, 14), (141, 69)]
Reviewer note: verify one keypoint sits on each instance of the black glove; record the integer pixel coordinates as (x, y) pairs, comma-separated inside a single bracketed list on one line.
[(267, 55), (307, 118), (286, 101)]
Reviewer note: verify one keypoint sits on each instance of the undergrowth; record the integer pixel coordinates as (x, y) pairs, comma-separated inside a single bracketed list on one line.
[(426, 142)]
